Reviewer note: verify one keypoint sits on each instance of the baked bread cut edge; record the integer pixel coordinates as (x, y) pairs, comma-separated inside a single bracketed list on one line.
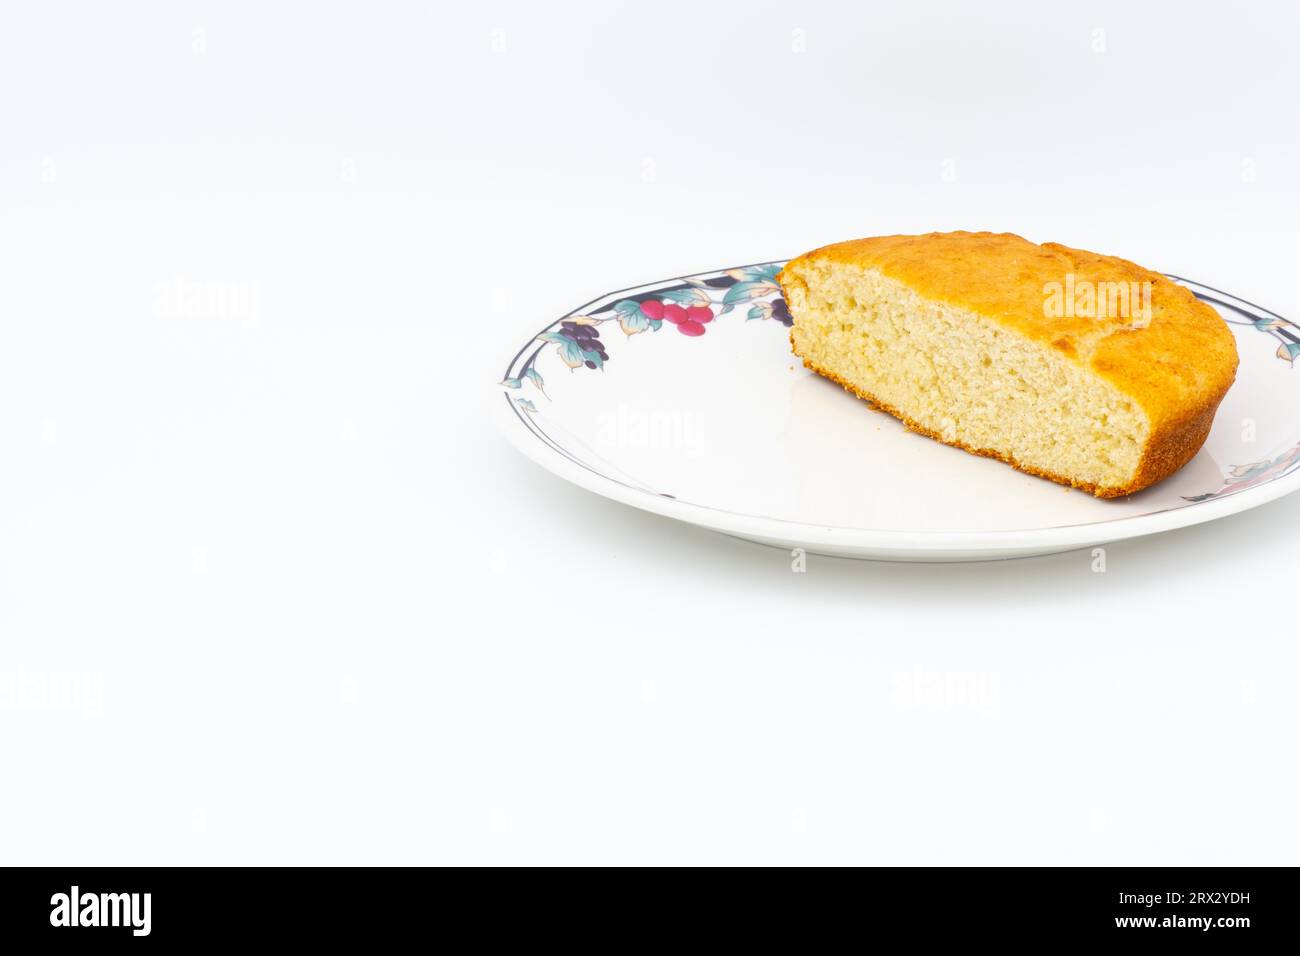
[(1169, 446)]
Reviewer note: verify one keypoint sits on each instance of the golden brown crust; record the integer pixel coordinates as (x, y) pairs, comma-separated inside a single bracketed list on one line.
[(1176, 368)]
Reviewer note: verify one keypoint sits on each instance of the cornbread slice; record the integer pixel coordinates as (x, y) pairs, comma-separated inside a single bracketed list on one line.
[(996, 345)]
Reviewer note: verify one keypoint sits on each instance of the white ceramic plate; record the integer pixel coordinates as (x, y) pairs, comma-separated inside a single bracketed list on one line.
[(722, 427)]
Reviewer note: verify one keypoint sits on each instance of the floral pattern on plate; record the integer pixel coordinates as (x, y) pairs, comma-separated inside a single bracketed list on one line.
[(689, 307)]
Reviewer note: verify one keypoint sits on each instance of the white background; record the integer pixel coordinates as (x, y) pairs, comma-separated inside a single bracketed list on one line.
[(272, 590)]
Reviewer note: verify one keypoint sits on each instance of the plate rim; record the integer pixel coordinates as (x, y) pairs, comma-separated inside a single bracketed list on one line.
[(509, 419)]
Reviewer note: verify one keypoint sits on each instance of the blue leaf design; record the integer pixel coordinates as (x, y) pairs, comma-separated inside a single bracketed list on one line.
[(535, 377), (570, 353), (686, 297), (766, 272), (568, 349), (745, 291), (630, 317), (633, 322)]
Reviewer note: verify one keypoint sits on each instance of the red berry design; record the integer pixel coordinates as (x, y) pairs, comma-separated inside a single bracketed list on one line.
[(652, 309), (674, 314), (690, 327), (699, 313)]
